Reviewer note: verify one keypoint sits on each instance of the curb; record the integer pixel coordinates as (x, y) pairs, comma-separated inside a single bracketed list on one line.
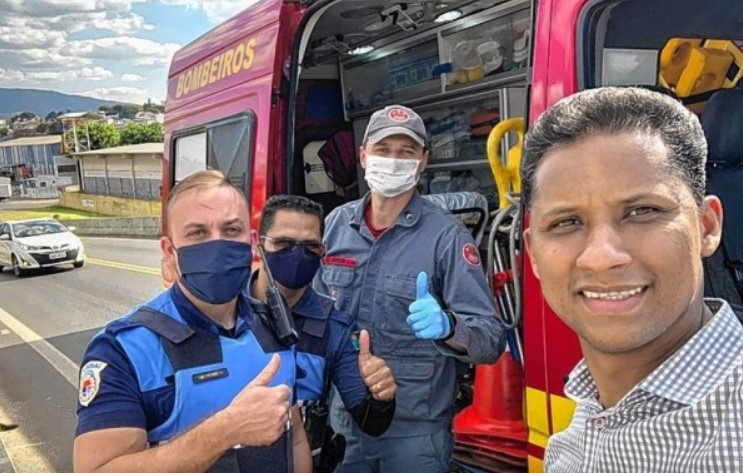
[(127, 227)]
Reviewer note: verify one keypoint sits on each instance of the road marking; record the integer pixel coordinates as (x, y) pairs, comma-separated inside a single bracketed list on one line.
[(24, 456), (59, 361), (6, 461), (4, 332), (126, 266)]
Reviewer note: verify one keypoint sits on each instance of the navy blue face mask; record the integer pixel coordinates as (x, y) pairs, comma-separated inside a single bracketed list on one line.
[(215, 271), (292, 268)]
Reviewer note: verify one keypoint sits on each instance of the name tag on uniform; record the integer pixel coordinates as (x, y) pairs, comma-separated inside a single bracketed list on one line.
[(199, 378), (340, 261)]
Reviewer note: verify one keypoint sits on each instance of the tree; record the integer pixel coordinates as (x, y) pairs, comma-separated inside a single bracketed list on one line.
[(152, 107), (53, 115), (42, 128), (25, 116), (135, 133), (3, 131), (105, 108), (54, 128), (102, 135), (127, 110)]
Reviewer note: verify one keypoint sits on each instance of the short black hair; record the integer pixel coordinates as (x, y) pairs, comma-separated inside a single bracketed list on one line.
[(292, 203), (612, 110)]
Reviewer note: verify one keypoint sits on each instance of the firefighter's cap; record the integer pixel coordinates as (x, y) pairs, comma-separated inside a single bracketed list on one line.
[(395, 120)]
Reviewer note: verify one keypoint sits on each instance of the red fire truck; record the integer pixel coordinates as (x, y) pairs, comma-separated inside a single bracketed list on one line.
[(278, 97)]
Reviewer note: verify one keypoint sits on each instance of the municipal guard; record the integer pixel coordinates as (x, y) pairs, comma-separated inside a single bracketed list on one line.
[(188, 382), (411, 274), (290, 240)]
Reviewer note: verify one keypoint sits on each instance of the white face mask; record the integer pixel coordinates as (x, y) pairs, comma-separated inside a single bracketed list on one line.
[(390, 177)]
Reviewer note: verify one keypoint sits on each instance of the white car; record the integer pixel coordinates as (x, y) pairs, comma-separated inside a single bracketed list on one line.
[(38, 243)]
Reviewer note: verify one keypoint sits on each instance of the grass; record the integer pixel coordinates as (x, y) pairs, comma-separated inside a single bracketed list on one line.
[(55, 211)]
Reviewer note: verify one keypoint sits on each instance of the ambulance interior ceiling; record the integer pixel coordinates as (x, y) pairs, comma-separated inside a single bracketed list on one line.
[(350, 24)]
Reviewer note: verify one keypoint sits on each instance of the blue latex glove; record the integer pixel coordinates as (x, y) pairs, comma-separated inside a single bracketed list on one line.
[(426, 318)]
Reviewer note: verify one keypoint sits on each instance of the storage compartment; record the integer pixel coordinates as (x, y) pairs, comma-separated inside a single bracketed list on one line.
[(487, 49), (393, 78), (425, 68), (495, 49)]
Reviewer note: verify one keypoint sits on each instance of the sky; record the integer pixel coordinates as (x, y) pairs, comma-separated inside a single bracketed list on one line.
[(109, 49)]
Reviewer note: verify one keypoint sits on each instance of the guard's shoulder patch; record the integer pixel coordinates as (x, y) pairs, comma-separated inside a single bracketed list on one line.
[(471, 254), (90, 381)]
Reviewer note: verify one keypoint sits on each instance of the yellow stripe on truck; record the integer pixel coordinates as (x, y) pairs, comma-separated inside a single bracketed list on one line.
[(562, 412), (535, 465), (536, 414)]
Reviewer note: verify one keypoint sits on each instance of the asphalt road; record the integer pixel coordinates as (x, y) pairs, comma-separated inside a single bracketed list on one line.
[(46, 320)]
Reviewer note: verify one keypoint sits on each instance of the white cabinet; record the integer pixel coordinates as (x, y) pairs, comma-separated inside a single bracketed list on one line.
[(476, 53)]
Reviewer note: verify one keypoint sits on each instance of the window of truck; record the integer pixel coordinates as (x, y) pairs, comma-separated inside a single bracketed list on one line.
[(225, 145), (694, 51)]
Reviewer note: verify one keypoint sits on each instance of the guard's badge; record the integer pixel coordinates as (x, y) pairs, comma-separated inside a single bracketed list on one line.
[(471, 254), (90, 381)]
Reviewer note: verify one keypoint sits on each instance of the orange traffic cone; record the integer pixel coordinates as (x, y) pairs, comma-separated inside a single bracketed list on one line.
[(491, 434)]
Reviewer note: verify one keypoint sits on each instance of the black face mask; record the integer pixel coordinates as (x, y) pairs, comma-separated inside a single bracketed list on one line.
[(215, 271), (293, 268)]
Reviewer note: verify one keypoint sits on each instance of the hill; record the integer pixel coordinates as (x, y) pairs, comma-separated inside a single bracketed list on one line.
[(41, 102)]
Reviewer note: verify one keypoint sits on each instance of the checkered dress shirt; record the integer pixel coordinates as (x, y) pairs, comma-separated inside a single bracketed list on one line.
[(685, 417)]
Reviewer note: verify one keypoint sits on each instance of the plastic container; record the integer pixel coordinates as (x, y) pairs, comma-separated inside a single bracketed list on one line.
[(490, 56), (732, 48), (705, 71), (674, 58)]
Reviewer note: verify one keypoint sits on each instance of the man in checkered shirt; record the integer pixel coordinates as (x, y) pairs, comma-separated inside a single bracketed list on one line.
[(619, 223)]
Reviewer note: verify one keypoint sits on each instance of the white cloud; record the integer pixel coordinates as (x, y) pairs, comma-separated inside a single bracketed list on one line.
[(65, 76), (23, 36), (89, 74), (10, 76), (38, 45), (43, 59), (120, 94), (51, 8), (123, 26), (132, 78), (146, 52), (216, 11), (94, 74)]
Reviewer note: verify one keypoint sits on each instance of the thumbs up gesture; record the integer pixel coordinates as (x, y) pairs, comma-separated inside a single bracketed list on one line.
[(375, 372), (259, 413), (426, 318)]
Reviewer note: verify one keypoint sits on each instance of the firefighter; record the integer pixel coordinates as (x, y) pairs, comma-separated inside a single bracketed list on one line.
[(410, 273), (186, 382), (290, 235), (614, 180)]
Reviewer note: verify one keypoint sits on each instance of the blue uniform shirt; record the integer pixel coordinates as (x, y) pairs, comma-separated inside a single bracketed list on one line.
[(326, 337), (115, 400), (375, 280), (325, 351)]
